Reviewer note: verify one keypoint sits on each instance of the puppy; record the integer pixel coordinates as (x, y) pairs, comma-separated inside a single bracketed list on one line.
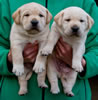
[(31, 22), (72, 24)]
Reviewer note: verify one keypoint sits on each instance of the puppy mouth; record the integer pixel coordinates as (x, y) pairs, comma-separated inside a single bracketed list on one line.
[(77, 34), (34, 30), (72, 34)]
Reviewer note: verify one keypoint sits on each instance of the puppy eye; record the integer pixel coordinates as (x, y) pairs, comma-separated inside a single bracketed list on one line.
[(67, 20), (81, 20), (26, 15), (41, 15)]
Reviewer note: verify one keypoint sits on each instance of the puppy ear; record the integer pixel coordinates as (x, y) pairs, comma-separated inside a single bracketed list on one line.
[(90, 21), (48, 17), (16, 16), (58, 18)]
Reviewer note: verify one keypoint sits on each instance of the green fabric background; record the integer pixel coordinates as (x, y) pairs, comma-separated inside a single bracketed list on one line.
[(8, 82)]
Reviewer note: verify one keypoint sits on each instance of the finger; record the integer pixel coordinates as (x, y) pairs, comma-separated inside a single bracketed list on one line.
[(30, 50), (33, 59), (36, 42), (10, 56), (30, 57), (61, 39), (65, 52), (61, 48), (65, 45), (67, 49), (28, 45), (83, 62), (58, 52)]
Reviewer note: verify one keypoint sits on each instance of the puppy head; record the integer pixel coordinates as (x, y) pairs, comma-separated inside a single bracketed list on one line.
[(74, 21), (33, 17)]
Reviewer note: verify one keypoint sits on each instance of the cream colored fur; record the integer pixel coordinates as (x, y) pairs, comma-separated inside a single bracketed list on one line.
[(23, 32), (72, 17)]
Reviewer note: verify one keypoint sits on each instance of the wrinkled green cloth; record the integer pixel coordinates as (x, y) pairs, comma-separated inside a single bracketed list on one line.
[(8, 82)]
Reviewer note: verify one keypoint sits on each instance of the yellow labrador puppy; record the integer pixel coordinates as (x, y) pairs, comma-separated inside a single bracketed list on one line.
[(72, 24), (31, 22)]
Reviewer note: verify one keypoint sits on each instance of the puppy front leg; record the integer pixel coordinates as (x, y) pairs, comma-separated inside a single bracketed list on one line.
[(78, 51), (18, 67), (52, 40), (40, 63)]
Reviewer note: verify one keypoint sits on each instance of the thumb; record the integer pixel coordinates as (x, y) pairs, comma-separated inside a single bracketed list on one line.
[(10, 56)]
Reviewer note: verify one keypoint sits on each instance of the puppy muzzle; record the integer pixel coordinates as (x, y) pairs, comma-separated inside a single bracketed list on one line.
[(75, 31), (34, 24)]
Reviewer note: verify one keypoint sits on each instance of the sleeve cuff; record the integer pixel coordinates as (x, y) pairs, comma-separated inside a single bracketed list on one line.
[(91, 68), (3, 66)]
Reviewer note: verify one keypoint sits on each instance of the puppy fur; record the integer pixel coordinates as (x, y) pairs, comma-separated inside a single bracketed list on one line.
[(31, 23), (72, 24)]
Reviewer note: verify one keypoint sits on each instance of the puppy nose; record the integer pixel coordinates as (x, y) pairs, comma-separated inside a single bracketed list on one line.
[(34, 22), (75, 28)]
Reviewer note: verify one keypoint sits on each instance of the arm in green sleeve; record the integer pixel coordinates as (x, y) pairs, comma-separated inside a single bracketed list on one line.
[(91, 54), (91, 58), (5, 26)]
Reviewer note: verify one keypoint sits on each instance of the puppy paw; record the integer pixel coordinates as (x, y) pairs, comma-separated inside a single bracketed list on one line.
[(18, 70), (69, 93), (78, 68), (46, 51), (22, 91), (42, 85), (38, 68), (55, 90)]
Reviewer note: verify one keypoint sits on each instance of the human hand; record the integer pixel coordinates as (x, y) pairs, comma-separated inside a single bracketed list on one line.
[(9, 57), (64, 52), (29, 53)]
